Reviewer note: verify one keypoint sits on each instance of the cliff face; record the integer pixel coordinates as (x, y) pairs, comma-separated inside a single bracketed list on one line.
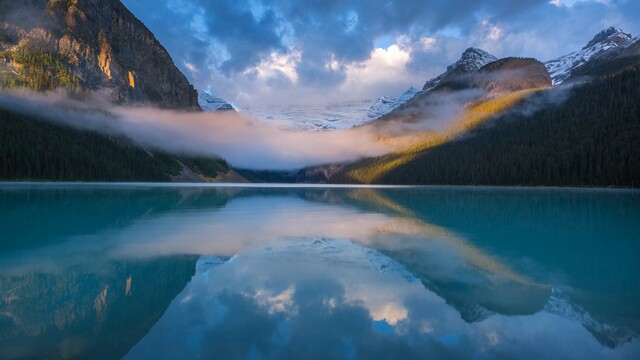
[(95, 45)]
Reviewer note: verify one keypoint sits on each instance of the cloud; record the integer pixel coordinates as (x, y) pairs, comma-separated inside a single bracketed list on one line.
[(275, 51), (242, 141), (381, 71)]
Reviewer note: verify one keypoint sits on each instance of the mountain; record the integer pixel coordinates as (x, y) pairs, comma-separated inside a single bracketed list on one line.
[(90, 49), (105, 312), (462, 85), (602, 45), (95, 46), (33, 149), (471, 60), (609, 63), (583, 136), (386, 104), (412, 101), (317, 117), (510, 74), (209, 102)]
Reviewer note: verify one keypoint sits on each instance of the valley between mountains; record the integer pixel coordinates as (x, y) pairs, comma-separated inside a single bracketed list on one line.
[(571, 121)]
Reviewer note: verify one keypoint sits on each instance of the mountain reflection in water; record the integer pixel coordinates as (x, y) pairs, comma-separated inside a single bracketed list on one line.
[(106, 271)]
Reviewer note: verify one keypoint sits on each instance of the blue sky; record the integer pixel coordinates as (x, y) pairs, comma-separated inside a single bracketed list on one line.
[(262, 52)]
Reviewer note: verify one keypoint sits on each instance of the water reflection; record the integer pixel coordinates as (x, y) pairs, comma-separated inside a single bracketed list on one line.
[(322, 273)]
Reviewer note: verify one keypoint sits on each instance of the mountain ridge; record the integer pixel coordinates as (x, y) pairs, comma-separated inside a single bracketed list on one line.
[(472, 59), (95, 46), (607, 40)]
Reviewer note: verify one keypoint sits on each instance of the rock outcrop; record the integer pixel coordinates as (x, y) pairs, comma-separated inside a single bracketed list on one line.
[(95, 45)]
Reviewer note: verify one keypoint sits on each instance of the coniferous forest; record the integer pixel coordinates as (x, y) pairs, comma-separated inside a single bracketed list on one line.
[(591, 140), (35, 149)]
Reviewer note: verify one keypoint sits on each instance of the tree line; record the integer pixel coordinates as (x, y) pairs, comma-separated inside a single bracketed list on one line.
[(590, 139)]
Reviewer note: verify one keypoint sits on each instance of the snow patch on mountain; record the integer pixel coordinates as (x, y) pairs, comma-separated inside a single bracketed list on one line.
[(561, 68), (209, 102), (472, 59), (319, 117), (559, 304), (386, 104), (348, 114)]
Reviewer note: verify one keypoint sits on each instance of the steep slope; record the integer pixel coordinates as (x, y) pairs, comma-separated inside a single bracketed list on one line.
[(601, 45), (471, 60), (414, 106), (591, 139), (105, 312), (610, 63), (386, 104), (511, 74), (88, 45), (33, 149), (374, 169), (209, 102), (462, 88)]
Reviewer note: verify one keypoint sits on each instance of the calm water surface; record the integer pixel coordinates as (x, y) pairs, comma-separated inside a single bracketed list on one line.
[(175, 272)]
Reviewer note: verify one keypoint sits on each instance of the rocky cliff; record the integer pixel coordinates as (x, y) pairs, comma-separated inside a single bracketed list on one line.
[(88, 45)]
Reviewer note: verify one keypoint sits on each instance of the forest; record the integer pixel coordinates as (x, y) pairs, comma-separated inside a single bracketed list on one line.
[(589, 140), (33, 149)]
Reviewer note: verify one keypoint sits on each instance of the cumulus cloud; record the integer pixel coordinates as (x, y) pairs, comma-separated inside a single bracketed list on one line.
[(272, 51)]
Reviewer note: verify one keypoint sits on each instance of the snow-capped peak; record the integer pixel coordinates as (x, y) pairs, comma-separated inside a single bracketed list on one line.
[(561, 68), (386, 104), (609, 35), (472, 59), (209, 102)]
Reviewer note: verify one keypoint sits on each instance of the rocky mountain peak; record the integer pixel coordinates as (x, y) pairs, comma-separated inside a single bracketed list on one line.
[(605, 42), (386, 104), (91, 45), (472, 59), (610, 35), (209, 102)]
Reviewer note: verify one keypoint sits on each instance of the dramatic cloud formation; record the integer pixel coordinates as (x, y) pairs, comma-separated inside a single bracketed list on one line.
[(259, 52)]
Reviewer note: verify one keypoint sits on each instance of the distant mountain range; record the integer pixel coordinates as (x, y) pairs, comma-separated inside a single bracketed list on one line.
[(99, 49), (514, 126), (609, 43), (603, 45), (91, 48)]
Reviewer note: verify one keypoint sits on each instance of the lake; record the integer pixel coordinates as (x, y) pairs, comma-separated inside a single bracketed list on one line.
[(106, 271)]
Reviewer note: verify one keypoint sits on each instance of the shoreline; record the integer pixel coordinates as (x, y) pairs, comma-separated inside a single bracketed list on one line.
[(10, 184)]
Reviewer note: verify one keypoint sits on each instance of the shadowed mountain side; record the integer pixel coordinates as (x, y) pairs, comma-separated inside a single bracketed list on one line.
[(589, 139), (375, 170), (40, 150), (97, 314), (614, 61)]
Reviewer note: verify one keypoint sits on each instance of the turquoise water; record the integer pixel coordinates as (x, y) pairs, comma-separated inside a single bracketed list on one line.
[(172, 272)]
